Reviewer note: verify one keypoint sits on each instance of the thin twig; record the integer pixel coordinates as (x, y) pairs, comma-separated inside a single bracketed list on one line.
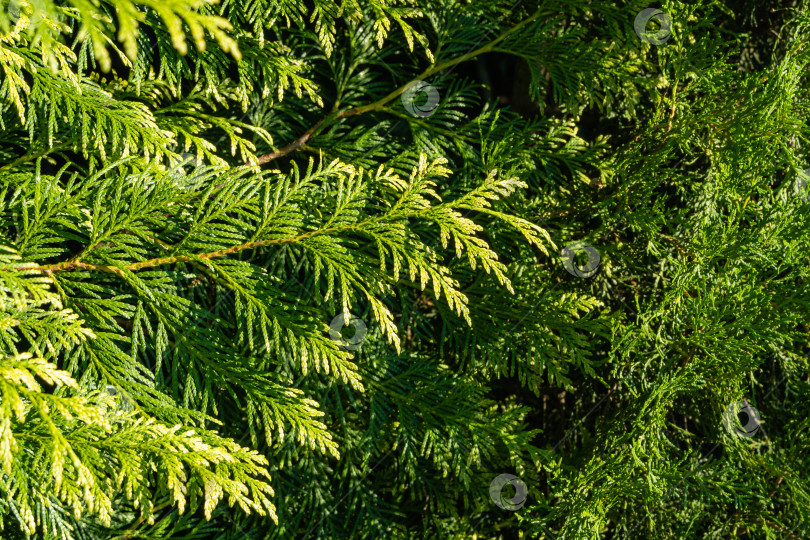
[(380, 103)]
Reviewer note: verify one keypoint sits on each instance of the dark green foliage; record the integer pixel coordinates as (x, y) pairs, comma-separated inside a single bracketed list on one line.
[(196, 194)]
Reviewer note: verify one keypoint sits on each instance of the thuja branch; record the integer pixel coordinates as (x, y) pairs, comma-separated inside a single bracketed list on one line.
[(34, 155), (74, 265), (68, 266), (380, 103)]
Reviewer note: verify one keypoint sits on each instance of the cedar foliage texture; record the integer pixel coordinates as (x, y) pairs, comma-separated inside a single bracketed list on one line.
[(194, 196)]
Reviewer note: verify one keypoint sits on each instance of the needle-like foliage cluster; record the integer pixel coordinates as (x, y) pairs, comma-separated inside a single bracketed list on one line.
[(200, 201)]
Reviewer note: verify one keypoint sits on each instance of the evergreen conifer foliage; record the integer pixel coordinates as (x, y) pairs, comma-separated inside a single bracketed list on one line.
[(201, 201)]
